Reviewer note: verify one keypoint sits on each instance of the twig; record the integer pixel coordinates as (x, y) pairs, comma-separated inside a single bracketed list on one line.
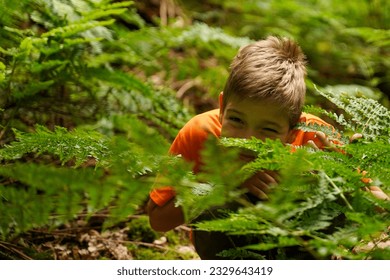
[(150, 245), (12, 248)]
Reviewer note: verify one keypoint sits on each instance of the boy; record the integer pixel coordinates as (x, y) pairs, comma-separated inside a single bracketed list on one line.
[(263, 98)]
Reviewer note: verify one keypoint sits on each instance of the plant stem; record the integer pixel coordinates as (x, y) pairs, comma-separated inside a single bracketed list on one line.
[(338, 190)]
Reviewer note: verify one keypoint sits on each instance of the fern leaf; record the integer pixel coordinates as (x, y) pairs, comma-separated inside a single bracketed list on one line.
[(78, 145), (367, 116), (32, 89), (70, 30), (59, 190)]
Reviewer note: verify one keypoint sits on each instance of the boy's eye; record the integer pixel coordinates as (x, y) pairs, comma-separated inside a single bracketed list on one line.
[(235, 119), (270, 130)]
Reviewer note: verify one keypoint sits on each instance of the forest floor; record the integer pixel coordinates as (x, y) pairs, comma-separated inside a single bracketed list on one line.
[(89, 240)]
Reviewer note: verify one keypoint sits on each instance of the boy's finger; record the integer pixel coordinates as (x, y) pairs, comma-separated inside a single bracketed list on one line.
[(266, 177), (313, 145), (256, 191), (324, 140), (328, 145), (274, 175), (355, 137), (378, 193)]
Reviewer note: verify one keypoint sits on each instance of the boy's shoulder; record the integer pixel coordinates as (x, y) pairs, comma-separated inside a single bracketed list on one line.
[(302, 137), (312, 119), (191, 138), (207, 122), (212, 115)]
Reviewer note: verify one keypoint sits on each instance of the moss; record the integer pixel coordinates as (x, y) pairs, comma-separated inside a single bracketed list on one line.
[(140, 230)]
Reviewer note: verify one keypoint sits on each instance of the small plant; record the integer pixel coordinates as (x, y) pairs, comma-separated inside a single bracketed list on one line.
[(87, 111), (139, 230)]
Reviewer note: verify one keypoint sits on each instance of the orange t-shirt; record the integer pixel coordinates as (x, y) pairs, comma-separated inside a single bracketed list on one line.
[(191, 138)]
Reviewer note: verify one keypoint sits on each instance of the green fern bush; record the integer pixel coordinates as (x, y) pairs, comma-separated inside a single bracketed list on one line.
[(81, 132), (92, 173), (78, 131), (60, 71), (319, 208)]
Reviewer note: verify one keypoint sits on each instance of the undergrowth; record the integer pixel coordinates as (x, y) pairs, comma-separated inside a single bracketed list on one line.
[(320, 206), (84, 128)]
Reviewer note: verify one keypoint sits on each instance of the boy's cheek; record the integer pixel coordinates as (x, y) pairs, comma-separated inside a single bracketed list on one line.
[(225, 132), (230, 132)]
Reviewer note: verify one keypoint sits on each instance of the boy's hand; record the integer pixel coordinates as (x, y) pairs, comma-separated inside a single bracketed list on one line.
[(259, 184), (326, 144), (377, 192)]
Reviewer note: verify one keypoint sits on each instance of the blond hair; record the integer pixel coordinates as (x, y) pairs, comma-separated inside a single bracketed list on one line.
[(272, 69)]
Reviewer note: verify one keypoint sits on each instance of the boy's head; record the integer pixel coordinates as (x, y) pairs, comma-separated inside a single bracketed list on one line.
[(272, 71)]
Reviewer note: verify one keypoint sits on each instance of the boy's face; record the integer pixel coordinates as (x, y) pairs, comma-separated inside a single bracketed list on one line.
[(260, 119)]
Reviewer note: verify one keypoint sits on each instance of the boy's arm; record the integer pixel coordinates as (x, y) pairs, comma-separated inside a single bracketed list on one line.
[(166, 217), (163, 215)]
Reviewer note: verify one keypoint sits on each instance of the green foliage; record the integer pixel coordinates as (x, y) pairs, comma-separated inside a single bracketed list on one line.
[(54, 74), (76, 145), (61, 75), (319, 204), (112, 173), (345, 43), (48, 188), (218, 183), (364, 115), (89, 104)]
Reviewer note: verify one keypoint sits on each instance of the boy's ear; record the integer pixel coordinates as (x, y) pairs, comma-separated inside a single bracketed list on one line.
[(220, 99), (220, 106), (290, 136)]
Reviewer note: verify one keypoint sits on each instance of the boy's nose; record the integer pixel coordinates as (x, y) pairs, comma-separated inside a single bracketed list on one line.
[(249, 133)]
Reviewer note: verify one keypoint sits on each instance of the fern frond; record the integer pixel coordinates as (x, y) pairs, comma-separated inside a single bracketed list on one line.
[(78, 145), (133, 95), (70, 30), (112, 11), (377, 37), (2, 71), (330, 132), (366, 116), (32, 89), (316, 190), (234, 224), (222, 174), (373, 157), (50, 191)]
